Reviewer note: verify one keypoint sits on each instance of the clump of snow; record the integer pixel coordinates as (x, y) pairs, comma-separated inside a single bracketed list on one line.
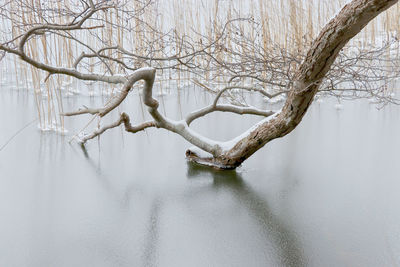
[(79, 137), (162, 94), (68, 93), (226, 146), (275, 100), (200, 152), (44, 129), (62, 131), (67, 83), (53, 127), (339, 107)]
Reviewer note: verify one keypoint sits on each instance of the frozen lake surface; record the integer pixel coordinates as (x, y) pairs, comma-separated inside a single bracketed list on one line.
[(326, 195)]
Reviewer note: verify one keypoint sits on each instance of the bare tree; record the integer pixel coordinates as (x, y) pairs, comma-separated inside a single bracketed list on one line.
[(299, 77)]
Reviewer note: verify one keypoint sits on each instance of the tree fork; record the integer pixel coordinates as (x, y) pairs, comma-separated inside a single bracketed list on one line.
[(333, 37), (301, 90)]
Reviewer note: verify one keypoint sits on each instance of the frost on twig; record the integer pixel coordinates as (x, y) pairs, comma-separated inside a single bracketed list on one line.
[(124, 119), (213, 148), (146, 74)]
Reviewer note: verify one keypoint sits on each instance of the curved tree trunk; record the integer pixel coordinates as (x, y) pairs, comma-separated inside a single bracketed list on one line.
[(323, 52), (334, 36)]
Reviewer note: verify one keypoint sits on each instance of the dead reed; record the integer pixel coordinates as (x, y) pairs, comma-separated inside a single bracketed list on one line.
[(163, 28)]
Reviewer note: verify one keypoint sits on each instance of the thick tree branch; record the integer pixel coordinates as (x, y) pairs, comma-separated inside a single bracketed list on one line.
[(297, 75), (324, 50), (124, 118), (226, 108)]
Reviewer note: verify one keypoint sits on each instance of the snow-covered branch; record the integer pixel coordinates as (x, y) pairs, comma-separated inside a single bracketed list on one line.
[(244, 65)]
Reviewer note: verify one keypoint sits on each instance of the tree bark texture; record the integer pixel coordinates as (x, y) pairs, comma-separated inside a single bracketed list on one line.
[(334, 36), (301, 90)]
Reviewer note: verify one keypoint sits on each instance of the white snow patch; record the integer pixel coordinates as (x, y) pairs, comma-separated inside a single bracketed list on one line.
[(200, 152), (226, 146), (340, 9), (274, 100), (338, 106), (53, 128), (162, 94)]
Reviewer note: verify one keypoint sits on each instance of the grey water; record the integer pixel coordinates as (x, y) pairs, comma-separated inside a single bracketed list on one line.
[(325, 195)]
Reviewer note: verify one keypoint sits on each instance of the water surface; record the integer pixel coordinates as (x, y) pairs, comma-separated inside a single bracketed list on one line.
[(326, 195)]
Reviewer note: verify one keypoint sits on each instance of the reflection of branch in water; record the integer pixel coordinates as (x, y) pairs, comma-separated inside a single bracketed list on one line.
[(290, 252), (90, 161), (106, 182), (84, 150), (288, 249), (149, 256)]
